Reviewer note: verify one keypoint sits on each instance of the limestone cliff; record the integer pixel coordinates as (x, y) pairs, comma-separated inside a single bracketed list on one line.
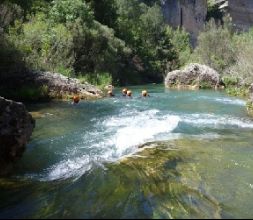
[(241, 12), (187, 14), (191, 14)]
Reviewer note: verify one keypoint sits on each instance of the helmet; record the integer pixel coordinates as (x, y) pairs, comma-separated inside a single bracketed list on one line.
[(129, 93), (76, 99), (144, 93)]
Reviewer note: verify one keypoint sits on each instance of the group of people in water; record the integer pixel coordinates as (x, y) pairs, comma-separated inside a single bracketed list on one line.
[(125, 93), (128, 93)]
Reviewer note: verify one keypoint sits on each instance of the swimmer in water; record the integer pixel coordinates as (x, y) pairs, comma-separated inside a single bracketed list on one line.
[(124, 92), (129, 93), (110, 93), (76, 99), (145, 94)]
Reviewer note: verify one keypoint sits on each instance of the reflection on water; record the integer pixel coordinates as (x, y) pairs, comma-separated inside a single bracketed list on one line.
[(86, 161)]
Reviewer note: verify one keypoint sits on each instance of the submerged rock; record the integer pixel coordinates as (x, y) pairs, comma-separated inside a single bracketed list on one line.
[(194, 76), (16, 126)]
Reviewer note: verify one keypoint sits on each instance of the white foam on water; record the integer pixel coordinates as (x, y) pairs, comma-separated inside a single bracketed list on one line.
[(224, 100), (231, 101), (220, 121), (119, 136), (141, 130), (69, 168)]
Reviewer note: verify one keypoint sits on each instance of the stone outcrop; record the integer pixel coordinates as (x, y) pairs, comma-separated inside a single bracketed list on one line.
[(194, 76), (54, 84), (60, 86), (241, 12), (187, 14), (16, 126)]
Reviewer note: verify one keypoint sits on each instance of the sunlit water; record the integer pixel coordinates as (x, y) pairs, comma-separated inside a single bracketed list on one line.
[(85, 161)]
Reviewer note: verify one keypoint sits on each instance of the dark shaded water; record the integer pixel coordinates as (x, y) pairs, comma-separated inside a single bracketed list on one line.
[(84, 162)]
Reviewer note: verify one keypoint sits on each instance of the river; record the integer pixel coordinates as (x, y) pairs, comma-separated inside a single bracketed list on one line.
[(176, 154)]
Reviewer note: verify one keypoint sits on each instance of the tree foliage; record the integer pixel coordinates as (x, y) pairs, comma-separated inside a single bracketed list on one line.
[(127, 39), (227, 51)]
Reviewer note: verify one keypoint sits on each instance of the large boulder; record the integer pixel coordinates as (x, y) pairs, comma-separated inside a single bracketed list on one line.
[(193, 76), (16, 126), (60, 86), (54, 85)]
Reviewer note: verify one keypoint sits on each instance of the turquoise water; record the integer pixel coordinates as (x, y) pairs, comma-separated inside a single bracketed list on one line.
[(85, 161)]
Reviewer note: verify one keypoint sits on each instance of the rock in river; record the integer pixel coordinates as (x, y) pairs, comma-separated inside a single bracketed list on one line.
[(194, 76), (16, 126)]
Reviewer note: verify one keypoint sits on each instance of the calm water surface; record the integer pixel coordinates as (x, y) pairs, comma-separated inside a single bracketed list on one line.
[(84, 161)]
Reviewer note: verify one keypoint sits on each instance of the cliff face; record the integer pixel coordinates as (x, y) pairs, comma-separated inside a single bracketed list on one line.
[(241, 12), (189, 14)]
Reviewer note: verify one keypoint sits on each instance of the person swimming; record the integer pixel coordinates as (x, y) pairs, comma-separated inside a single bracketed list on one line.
[(124, 92), (110, 93), (76, 99), (145, 94), (129, 93)]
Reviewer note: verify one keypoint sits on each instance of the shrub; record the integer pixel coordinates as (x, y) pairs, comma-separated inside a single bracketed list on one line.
[(44, 47), (180, 40), (64, 11), (249, 106), (230, 81), (238, 91), (243, 67), (215, 47), (99, 79)]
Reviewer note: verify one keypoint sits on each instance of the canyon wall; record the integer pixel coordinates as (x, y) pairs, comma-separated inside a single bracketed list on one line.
[(187, 14)]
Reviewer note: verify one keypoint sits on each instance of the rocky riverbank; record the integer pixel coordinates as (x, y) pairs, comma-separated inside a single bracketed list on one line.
[(46, 85), (16, 126)]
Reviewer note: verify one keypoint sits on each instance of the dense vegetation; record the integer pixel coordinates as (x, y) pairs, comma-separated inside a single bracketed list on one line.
[(116, 41), (123, 41), (230, 52)]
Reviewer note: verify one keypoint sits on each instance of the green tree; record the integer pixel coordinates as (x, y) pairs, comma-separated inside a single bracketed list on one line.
[(64, 11), (105, 11), (215, 46)]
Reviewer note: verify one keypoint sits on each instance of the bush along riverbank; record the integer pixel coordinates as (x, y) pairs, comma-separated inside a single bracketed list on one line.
[(250, 102)]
